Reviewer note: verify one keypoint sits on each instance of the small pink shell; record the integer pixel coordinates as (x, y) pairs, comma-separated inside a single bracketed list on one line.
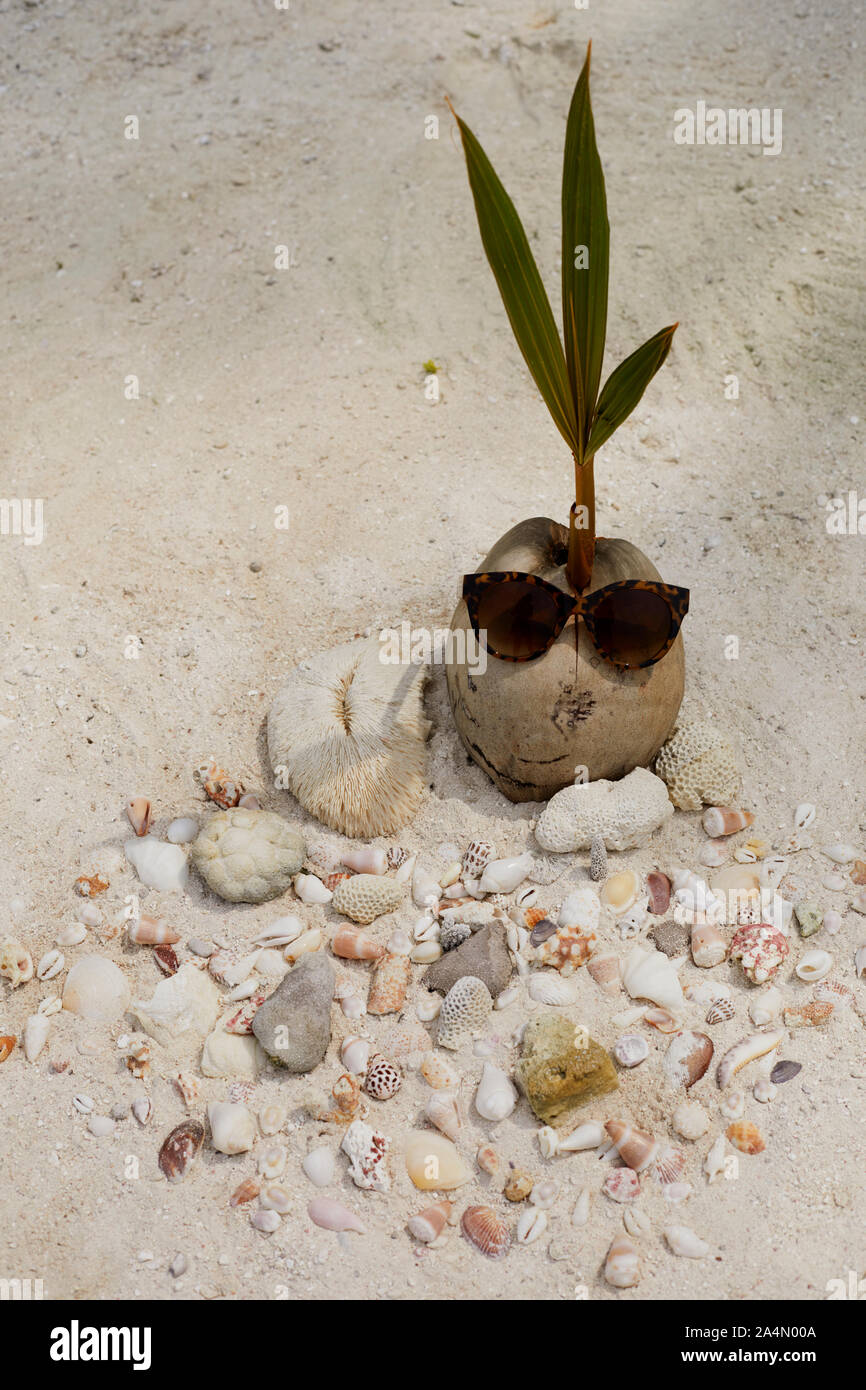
[(622, 1185), (659, 888), (333, 1216), (351, 944), (670, 1165)]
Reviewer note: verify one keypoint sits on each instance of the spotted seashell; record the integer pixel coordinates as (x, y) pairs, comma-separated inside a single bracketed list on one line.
[(404, 1040), (389, 983), (396, 856), (720, 1011), (746, 1137), (479, 854), (622, 1185), (465, 1010), (567, 949), (364, 897), (180, 1148), (383, 1079), (833, 991), (438, 1072), (486, 1230)]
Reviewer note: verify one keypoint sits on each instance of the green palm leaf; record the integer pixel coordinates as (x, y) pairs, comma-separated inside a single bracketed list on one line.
[(625, 386), (520, 284)]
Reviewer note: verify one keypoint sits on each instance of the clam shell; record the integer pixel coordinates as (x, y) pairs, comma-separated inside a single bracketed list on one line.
[(486, 1230), (621, 891), (745, 1136), (180, 1148), (434, 1164), (548, 988)]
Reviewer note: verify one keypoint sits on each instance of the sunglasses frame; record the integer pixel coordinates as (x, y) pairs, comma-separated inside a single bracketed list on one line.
[(677, 600)]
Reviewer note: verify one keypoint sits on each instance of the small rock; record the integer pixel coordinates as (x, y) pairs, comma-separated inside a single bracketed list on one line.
[(294, 1024), (810, 917), (671, 938), (484, 955), (562, 1068)]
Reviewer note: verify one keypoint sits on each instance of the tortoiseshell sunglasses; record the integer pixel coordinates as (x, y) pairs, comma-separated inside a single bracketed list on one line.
[(518, 617)]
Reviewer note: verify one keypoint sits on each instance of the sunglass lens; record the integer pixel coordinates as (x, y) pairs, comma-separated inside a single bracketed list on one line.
[(632, 626), (518, 618)]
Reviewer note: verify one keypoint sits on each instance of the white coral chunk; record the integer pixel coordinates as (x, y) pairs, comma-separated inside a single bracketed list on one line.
[(623, 813)]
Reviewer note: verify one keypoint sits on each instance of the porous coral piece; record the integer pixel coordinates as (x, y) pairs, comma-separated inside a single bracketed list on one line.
[(347, 735), (623, 813), (465, 1010), (364, 897), (562, 1068), (368, 1153), (698, 765), (248, 856)]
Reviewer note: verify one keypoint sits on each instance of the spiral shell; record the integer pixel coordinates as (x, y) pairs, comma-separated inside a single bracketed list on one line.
[(636, 1147), (443, 1111)]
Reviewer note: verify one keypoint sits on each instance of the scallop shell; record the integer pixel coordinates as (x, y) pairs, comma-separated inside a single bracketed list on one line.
[(429, 1224), (720, 1011), (547, 988), (746, 1137), (687, 1058), (622, 1265), (670, 1165), (486, 1230)]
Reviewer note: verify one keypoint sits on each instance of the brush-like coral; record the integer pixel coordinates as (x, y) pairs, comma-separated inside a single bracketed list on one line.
[(699, 765), (346, 735), (623, 813)]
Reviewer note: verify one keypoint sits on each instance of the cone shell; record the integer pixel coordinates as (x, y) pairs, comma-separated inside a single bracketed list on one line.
[(389, 984), (622, 1266), (351, 944), (429, 1224), (138, 814), (725, 820), (486, 1230), (687, 1058), (152, 931), (635, 1147), (746, 1137)]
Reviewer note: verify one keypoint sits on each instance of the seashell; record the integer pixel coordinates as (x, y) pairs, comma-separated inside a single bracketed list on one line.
[(265, 1221), (690, 1120), (433, 1163), (804, 816), (630, 1050), (158, 864), (659, 886), (166, 959), (425, 888), (443, 1111), (272, 1161), (621, 891), (438, 1072), (71, 935), (479, 854), (687, 1058), (50, 965), (364, 897), (187, 1087), (669, 1166), (720, 1011), (714, 1163), (582, 908), (636, 1147), (713, 854), (622, 1265), (488, 1160), (429, 1224), (815, 965), (725, 820), (383, 1079), (649, 974), (429, 1008), (504, 875), (349, 943), (785, 1071), (218, 785), (96, 989), (531, 1225), (632, 923), (138, 814), (585, 1136), (834, 883), (88, 886), (142, 1109), (152, 931), (840, 853), (333, 1216), (180, 1148), (182, 831), (547, 988), (809, 1015), (389, 984), (311, 889), (567, 949), (486, 1230), (355, 1053), (7, 1044), (496, 1097), (426, 953), (661, 1019), (747, 1050), (765, 1007), (733, 1104), (451, 877), (622, 1185), (332, 881), (709, 947), (694, 899), (764, 1090), (860, 961), (275, 1197), (271, 1119), (628, 1017), (368, 1154), (428, 929), (542, 931), (35, 1035), (307, 942), (245, 1192), (16, 963), (760, 949), (746, 1137), (683, 1241), (858, 871), (368, 860), (636, 1222), (605, 970), (465, 1010), (752, 851), (233, 1129), (858, 902), (507, 997)]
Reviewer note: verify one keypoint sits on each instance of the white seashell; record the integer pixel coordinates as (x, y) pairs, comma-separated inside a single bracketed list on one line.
[(580, 909), (308, 941), (311, 889), (443, 1111), (451, 875), (428, 1008), (690, 1120), (580, 1215), (366, 861), (840, 853), (50, 965), (496, 1097), (675, 1192), (36, 1030), (96, 989), (52, 1005), (159, 865), (636, 1222), (632, 923), (649, 974), (733, 1104), (231, 1055), (683, 1241), (532, 1225), (399, 943), (182, 831), (84, 1104), (183, 1007), (504, 875), (355, 1054), (714, 1163), (72, 935), (834, 883), (548, 987), (319, 1166), (548, 1142), (765, 1007), (272, 1161), (275, 1197), (747, 1050), (772, 870), (544, 1194), (586, 1136), (266, 1221), (858, 902), (272, 1118), (508, 997), (280, 933), (426, 928), (353, 1006), (630, 1050), (101, 1125), (628, 1017), (233, 1129), (90, 915), (713, 854), (814, 966), (804, 816), (406, 869), (764, 1090), (425, 889), (860, 961), (693, 898), (426, 952), (142, 1109), (245, 990)]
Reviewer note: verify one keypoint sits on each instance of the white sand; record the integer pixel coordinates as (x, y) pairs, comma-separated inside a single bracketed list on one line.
[(304, 388)]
